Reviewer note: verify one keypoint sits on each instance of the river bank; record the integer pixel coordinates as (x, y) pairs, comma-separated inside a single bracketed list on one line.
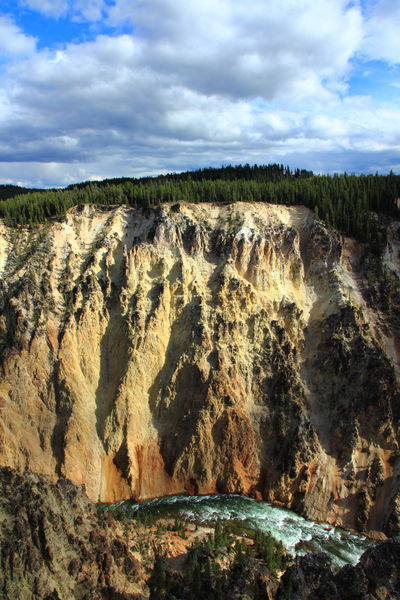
[(296, 533)]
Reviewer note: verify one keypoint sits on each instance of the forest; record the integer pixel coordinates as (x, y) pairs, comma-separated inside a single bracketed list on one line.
[(349, 203)]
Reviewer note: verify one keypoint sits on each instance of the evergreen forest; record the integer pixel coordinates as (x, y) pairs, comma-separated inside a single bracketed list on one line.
[(349, 203)]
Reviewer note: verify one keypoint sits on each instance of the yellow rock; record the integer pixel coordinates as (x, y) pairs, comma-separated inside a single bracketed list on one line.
[(233, 348)]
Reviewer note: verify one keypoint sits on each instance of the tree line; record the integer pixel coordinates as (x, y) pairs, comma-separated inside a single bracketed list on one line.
[(345, 202)]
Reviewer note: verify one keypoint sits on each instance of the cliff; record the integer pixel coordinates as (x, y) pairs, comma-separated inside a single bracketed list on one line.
[(54, 545), (202, 348)]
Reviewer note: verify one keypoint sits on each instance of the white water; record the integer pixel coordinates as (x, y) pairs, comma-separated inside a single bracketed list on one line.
[(298, 535)]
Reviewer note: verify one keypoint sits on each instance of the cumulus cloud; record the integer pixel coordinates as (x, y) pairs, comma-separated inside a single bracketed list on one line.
[(52, 8), (194, 84), (90, 10), (229, 49), (382, 41), (13, 41)]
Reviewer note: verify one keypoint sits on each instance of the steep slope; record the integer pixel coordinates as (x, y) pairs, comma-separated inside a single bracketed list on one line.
[(54, 545), (202, 348), (376, 576)]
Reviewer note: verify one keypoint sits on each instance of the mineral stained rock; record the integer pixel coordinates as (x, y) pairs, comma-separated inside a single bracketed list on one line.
[(205, 348)]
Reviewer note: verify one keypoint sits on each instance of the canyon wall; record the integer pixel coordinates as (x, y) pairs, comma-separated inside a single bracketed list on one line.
[(204, 348)]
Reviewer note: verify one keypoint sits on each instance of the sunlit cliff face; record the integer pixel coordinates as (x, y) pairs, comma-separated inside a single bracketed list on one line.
[(202, 348)]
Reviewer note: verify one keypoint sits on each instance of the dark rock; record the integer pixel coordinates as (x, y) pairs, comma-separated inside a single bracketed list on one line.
[(53, 544), (375, 577)]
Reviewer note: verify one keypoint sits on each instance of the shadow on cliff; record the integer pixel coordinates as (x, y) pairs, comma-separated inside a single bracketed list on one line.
[(63, 404), (114, 360), (179, 389)]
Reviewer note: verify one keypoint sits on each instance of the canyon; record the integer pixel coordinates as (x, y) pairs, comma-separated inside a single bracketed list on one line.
[(57, 545), (200, 348)]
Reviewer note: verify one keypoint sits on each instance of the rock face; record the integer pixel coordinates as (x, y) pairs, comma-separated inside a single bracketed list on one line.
[(203, 348), (55, 546), (376, 576)]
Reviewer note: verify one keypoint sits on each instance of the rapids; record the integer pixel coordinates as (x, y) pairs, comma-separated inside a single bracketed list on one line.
[(297, 534)]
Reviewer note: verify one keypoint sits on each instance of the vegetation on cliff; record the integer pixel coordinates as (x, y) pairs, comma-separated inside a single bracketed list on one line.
[(229, 558), (345, 202), (55, 545)]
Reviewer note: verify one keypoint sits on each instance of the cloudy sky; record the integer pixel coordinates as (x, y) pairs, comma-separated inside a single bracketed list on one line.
[(104, 88)]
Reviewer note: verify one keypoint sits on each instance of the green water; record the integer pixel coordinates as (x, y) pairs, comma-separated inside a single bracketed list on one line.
[(297, 534)]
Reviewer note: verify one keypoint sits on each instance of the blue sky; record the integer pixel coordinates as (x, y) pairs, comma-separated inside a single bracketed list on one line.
[(56, 29), (103, 88)]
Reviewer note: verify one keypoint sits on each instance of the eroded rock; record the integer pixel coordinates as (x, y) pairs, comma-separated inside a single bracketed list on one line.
[(237, 348)]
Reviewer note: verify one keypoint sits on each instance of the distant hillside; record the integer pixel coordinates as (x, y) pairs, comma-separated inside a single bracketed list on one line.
[(10, 191), (261, 173)]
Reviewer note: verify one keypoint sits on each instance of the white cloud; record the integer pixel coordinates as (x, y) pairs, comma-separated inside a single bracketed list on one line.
[(13, 41), (89, 10), (382, 40), (226, 48), (51, 8), (196, 83)]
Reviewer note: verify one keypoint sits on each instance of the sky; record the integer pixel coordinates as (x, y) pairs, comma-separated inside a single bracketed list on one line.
[(91, 89)]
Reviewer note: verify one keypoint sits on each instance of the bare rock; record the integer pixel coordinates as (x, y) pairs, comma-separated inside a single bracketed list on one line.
[(203, 348)]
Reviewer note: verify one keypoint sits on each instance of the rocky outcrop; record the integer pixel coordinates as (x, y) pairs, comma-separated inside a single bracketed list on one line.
[(55, 545), (376, 576), (202, 348)]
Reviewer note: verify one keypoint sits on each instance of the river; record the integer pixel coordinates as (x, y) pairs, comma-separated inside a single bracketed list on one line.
[(297, 534)]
